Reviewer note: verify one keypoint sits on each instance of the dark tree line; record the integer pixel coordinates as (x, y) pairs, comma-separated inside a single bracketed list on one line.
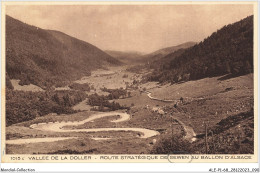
[(227, 51), (116, 93), (23, 106), (103, 103), (81, 87)]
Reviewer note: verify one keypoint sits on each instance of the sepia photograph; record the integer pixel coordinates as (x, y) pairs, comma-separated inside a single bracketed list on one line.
[(129, 79)]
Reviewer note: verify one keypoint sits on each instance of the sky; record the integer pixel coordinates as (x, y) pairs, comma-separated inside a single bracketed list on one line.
[(142, 28)]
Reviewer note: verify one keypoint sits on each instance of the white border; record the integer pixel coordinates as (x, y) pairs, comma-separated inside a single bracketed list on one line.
[(128, 167)]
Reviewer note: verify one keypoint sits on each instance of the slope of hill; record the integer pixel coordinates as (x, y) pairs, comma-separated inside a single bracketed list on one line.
[(126, 57), (44, 57), (165, 51), (151, 58), (163, 62), (229, 50)]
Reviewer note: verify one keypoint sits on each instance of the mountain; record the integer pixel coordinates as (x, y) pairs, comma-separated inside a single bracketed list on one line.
[(130, 57), (140, 58), (227, 51), (161, 62), (46, 57), (165, 51)]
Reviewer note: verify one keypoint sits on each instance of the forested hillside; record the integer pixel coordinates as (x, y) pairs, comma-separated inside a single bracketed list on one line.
[(157, 55), (150, 58), (23, 106), (227, 51), (126, 57), (46, 58)]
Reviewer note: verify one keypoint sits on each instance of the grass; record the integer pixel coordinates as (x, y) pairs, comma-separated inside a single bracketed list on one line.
[(57, 118), (203, 87), (213, 108), (124, 142), (211, 100), (233, 135)]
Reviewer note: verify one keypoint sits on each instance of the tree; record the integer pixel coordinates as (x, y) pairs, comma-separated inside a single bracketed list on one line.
[(228, 70)]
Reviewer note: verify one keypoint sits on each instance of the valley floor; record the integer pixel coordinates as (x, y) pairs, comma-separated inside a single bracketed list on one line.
[(167, 110)]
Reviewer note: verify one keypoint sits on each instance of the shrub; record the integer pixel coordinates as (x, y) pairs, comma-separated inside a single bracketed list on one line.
[(81, 87), (125, 76), (102, 101), (172, 145)]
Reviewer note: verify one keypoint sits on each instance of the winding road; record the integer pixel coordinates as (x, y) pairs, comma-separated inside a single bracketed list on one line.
[(58, 127), (149, 94), (190, 134), (36, 140)]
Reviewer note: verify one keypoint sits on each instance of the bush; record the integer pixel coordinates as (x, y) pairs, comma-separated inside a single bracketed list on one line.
[(172, 145), (8, 82), (115, 93), (81, 87), (102, 102), (24, 81), (125, 76)]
